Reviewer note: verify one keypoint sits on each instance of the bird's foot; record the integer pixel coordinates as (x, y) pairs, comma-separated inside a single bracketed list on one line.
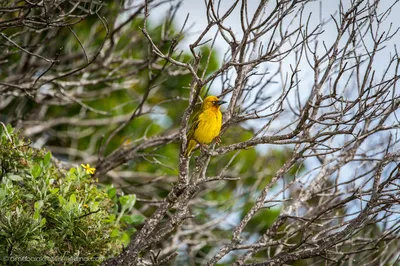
[(218, 140), (203, 147)]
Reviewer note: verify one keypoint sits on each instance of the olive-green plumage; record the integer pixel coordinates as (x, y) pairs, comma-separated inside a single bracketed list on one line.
[(206, 124)]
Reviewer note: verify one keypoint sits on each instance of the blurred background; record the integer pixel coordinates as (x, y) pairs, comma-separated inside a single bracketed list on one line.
[(80, 79)]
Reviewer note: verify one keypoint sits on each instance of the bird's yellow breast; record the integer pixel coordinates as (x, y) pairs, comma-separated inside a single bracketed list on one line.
[(209, 126)]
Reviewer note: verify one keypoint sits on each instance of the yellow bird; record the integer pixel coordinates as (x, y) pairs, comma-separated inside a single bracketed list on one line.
[(206, 124)]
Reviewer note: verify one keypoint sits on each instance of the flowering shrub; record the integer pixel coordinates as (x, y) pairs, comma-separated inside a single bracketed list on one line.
[(49, 212)]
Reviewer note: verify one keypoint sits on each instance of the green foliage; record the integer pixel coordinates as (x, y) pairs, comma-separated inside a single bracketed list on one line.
[(48, 212)]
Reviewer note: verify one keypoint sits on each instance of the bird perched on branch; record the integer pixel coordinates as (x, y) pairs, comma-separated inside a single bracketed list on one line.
[(206, 124)]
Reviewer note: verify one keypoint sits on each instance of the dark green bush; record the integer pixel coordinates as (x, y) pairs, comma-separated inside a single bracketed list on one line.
[(56, 215)]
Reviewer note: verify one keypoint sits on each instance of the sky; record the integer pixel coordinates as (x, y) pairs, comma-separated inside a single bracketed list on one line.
[(319, 10), (198, 21)]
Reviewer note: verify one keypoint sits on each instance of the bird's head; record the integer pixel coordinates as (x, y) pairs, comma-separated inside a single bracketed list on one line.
[(211, 102)]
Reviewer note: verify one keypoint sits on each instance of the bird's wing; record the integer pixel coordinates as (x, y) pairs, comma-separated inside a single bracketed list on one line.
[(194, 120), (194, 125)]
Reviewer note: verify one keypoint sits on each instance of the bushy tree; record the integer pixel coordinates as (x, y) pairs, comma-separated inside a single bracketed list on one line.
[(307, 171), (50, 216)]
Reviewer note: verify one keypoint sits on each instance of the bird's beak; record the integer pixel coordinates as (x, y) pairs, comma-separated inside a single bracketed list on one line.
[(220, 102)]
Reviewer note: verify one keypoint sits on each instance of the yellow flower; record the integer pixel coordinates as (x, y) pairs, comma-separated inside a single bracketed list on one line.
[(88, 169), (85, 206)]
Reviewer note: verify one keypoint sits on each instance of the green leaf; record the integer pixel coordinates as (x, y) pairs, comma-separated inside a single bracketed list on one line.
[(126, 219), (38, 204), (112, 192), (131, 231), (10, 129), (114, 233), (72, 174), (125, 239), (111, 218), (72, 171), (2, 194), (46, 159), (137, 218), (61, 199), (14, 177), (133, 219), (54, 190), (72, 199), (43, 221), (127, 201), (36, 170)]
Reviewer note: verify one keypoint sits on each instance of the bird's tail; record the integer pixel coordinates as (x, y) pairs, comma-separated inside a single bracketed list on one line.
[(191, 145)]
